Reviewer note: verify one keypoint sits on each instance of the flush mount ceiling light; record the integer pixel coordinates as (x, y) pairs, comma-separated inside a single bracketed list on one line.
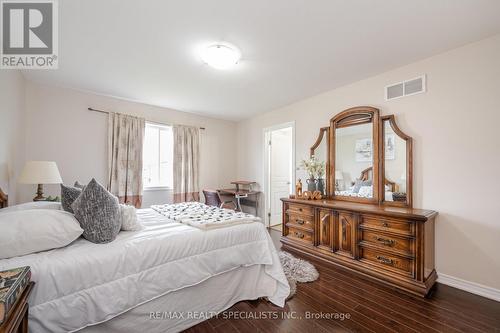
[(221, 55)]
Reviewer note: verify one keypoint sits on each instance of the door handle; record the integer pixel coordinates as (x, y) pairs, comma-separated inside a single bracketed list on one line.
[(385, 260), (299, 234), (385, 241)]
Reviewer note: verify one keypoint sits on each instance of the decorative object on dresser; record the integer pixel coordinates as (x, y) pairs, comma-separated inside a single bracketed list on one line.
[(371, 227), (4, 199), (12, 284), (316, 170), (40, 172)]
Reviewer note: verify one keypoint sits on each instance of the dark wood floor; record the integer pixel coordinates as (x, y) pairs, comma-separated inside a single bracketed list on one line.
[(371, 308)]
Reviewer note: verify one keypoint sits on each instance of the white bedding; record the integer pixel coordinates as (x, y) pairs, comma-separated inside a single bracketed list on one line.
[(85, 283), (190, 306), (350, 193)]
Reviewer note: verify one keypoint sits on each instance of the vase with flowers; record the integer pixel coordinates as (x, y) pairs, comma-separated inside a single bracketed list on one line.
[(314, 168)]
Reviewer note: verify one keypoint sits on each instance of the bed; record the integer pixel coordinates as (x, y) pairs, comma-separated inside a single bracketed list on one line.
[(365, 175), (164, 278)]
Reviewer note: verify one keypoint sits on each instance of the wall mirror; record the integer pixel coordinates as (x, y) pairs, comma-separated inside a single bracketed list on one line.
[(397, 164), (355, 137), (320, 150)]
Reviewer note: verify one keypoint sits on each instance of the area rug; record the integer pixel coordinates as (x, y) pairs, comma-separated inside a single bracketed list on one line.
[(297, 270)]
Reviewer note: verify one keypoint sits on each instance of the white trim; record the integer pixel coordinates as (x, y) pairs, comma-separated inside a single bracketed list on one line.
[(471, 287), (266, 187)]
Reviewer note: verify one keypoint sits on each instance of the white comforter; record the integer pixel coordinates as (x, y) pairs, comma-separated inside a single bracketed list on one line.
[(85, 283)]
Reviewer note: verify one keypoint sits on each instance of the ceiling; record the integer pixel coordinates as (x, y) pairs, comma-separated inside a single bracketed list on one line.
[(292, 49)]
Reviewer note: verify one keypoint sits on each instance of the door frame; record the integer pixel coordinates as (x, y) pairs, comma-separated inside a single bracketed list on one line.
[(266, 166)]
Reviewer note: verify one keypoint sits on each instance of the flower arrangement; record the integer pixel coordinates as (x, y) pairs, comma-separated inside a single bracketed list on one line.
[(314, 167)]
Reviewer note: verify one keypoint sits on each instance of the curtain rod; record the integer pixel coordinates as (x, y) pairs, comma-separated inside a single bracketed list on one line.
[(154, 122)]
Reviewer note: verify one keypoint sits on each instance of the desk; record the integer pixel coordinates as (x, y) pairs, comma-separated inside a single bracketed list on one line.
[(242, 196)]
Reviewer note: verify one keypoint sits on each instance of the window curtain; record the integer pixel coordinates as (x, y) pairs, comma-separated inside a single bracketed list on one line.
[(125, 139), (186, 163)]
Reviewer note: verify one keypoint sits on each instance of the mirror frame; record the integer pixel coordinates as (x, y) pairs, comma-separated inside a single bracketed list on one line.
[(324, 132), (409, 162), (355, 116)]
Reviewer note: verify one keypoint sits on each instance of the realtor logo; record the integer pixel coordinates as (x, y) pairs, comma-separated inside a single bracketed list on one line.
[(29, 34)]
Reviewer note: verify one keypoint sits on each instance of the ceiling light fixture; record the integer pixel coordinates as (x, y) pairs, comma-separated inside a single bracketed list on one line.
[(221, 55)]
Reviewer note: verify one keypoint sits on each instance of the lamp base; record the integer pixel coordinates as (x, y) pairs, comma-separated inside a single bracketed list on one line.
[(39, 194)]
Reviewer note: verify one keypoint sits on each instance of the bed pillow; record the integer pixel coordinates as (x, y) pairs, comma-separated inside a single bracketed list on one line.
[(78, 185), (366, 191), (128, 215), (33, 205), (98, 212), (35, 230), (68, 196)]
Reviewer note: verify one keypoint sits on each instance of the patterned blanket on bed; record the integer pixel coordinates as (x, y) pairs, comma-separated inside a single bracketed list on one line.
[(199, 215)]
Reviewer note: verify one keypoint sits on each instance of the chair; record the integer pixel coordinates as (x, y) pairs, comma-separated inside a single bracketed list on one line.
[(3, 199), (213, 198)]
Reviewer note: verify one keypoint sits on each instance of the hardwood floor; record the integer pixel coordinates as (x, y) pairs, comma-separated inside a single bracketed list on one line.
[(366, 306)]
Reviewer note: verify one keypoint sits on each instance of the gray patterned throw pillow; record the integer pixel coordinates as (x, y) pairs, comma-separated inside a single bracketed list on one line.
[(98, 212), (78, 185), (68, 196)]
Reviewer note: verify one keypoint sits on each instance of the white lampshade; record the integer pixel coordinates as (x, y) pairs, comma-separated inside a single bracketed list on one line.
[(338, 175), (40, 172)]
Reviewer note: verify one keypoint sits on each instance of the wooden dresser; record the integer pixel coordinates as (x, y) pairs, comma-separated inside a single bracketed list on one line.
[(366, 221), (392, 245)]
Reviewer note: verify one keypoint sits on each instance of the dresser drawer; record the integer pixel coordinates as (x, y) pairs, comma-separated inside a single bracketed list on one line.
[(302, 221), (387, 241), (387, 261), (389, 225), (300, 235), (294, 208)]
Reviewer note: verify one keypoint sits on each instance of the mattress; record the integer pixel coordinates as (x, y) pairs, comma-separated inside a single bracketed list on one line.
[(84, 283)]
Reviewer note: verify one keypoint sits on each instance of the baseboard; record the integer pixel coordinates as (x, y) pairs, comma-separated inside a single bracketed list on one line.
[(471, 287)]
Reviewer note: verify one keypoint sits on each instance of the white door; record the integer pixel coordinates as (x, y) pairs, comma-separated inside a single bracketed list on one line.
[(280, 165)]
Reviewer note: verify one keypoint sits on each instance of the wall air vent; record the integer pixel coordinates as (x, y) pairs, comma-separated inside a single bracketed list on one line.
[(405, 88)]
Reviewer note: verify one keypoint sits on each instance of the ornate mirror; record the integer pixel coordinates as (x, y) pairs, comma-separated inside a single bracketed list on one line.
[(367, 159), (397, 164), (354, 155), (320, 151)]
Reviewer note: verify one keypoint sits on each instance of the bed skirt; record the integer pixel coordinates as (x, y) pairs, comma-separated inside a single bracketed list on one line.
[(181, 309)]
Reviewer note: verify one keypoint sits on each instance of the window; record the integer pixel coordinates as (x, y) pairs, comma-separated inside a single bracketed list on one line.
[(158, 155)]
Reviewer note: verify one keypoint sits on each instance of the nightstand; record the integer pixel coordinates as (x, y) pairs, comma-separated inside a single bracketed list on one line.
[(17, 319)]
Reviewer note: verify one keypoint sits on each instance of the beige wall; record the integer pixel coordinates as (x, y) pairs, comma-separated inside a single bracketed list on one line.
[(455, 126), (60, 128), (12, 86)]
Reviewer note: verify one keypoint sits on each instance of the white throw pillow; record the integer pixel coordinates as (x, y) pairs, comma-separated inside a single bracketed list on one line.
[(34, 230), (32, 205), (129, 218)]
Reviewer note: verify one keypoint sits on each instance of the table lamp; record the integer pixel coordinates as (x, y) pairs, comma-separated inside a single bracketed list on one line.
[(40, 172), (338, 177)]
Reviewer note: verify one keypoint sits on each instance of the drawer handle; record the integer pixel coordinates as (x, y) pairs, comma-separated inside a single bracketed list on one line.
[(300, 209), (299, 234), (385, 225), (385, 241), (385, 260), (299, 221)]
